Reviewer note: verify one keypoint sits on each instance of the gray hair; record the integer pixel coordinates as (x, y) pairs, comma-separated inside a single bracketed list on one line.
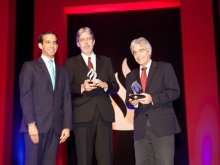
[(141, 41)]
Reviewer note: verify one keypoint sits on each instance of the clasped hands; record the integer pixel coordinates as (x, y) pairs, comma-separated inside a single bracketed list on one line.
[(89, 85), (146, 100)]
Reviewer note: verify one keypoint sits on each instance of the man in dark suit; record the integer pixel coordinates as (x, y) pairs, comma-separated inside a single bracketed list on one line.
[(93, 112), (46, 104), (155, 121)]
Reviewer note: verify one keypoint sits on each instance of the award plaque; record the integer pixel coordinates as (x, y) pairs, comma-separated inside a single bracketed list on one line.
[(91, 75), (136, 88)]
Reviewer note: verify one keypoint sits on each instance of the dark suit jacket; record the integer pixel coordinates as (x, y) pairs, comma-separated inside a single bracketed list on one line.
[(84, 104), (163, 87), (39, 102)]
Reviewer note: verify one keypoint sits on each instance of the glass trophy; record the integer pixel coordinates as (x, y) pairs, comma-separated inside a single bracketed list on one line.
[(136, 89), (91, 75)]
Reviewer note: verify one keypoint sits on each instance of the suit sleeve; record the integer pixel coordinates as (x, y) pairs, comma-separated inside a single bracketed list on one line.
[(67, 107), (67, 65), (113, 86), (170, 84), (26, 93)]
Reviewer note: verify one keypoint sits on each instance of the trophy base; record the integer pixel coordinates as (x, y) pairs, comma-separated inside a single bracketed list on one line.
[(136, 96)]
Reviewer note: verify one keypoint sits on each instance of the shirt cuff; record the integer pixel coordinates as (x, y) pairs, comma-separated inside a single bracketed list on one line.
[(136, 106)]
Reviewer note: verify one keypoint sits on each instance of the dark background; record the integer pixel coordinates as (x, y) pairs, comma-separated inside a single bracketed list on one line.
[(114, 33)]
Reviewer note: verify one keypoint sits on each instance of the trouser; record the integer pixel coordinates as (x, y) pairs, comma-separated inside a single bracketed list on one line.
[(154, 150)]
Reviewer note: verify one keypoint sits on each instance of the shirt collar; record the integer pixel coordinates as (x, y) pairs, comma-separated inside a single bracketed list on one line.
[(46, 59), (147, 66), (85, 56)]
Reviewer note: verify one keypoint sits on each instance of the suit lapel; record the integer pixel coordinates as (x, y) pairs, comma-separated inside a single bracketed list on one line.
[(82, 63), (45, 70), (98, 64), (151, 73), (58, 70)]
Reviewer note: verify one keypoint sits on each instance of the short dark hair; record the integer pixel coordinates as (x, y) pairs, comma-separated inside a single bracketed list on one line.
[(40, 38)]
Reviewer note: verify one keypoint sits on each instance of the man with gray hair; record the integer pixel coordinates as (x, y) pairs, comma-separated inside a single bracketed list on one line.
[(155, 121)]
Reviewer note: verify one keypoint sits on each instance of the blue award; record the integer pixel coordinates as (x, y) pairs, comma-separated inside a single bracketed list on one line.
[(136, 89)]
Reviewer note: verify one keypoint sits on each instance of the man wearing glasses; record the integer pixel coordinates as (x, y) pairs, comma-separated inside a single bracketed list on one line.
[(155, 121)]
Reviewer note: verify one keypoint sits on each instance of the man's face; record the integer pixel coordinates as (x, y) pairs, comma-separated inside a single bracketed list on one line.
[(86, 43), (141, 55), (49, 45)]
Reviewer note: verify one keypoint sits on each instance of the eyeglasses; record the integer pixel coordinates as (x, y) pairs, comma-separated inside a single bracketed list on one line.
[(140, 51)]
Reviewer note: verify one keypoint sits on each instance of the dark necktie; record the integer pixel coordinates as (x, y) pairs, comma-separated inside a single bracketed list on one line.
[(90, 66), (143, 78)]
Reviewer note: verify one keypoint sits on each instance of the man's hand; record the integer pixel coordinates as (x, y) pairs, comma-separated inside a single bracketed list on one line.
[(33, 132), (146, 100), (100, 83), (86, 86), (133, 102), (64, 135)]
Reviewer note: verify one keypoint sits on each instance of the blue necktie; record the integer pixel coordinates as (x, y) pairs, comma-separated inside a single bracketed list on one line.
[(51, 71)]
